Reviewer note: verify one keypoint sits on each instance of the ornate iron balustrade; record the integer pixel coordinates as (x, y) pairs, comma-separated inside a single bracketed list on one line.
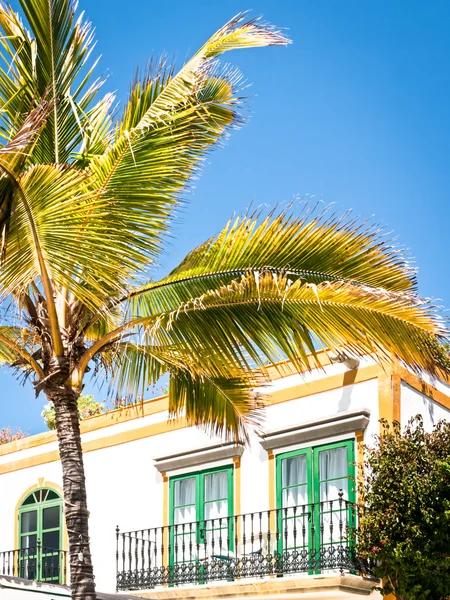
[(311, 538), (38, 563)]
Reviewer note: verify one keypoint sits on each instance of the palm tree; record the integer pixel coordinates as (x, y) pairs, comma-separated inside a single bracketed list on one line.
[(86, 202)]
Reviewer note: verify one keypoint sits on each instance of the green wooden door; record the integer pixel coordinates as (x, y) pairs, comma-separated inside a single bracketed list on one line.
[(313, 485), (333, 487), (201, 507), (40, 536), (294, 496)]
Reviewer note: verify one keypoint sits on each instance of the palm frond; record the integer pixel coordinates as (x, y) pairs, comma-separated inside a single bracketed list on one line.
[(271, 317), (143, 173), (52, 55), (17, 349), (9, 340), (51, 207), (226, 407), (315, 246), (96, 128), (13, 157)]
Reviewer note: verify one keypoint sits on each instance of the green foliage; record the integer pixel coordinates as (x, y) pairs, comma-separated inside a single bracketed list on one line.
[(87, 407), (9, 434), (405, 528)]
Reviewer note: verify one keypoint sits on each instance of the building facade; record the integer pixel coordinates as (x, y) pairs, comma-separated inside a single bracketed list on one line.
[(175, 513)]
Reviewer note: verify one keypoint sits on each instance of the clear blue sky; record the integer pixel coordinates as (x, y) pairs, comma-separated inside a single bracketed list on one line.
[(356, 112)]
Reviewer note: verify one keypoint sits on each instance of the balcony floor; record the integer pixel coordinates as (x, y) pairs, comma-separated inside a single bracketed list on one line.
[(318, 587)]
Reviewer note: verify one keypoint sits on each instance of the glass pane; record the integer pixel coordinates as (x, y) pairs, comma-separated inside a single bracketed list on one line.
[(293, 470), (335, 527), (329, 490), (215, 510), (295, 496), (37, 495), (28, 543), (28, 521), (27, 569), (216, 542), (184, 491), (295, 532), (333, 463), (29, 500), (216, 486), (51, 495), (50, 566), (185, 549), (51, 517), (186, 514), (50, 539)]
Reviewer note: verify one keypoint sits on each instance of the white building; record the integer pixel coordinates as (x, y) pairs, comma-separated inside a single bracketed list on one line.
[(199, 518)]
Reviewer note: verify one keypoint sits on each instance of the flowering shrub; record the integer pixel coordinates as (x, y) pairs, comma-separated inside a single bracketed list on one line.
[(9, 434), (405, 527), (87, 407)]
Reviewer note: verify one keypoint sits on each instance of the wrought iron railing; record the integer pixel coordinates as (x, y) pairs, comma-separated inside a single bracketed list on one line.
[(38, 563), (311, 538)]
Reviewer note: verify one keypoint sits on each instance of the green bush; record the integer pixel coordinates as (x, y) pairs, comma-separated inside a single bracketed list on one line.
[(405, 527), (87, 407)]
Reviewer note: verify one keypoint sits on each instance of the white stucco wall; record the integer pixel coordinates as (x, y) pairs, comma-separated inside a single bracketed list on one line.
[(414, 403), (324, 404)]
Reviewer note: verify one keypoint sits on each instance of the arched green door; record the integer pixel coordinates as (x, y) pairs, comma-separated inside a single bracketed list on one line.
[(40, 536)]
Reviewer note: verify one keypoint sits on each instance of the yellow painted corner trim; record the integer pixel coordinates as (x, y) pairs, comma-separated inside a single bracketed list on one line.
[(40, 484), (272, 485), (165, 479), (385, 396), (237, 485)]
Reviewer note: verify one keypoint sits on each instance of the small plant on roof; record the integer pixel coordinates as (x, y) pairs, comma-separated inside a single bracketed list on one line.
[(10, 434), (87, 407)]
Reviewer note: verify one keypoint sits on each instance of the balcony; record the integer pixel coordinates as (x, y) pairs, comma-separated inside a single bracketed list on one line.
[(45, 565), (309, 540)]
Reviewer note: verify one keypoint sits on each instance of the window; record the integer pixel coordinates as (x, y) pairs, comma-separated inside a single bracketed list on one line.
[(40, 536), (201, 511), (314, 492)]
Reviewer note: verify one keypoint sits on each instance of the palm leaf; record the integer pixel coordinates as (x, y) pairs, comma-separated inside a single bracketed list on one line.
[(142, 174), (51, 56), (51, 204), (271, 317), (13, 156), (315, 246), (225, 407), (17, 347)]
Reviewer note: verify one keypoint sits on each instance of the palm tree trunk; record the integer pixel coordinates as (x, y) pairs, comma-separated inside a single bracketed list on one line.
[(74, 485)]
